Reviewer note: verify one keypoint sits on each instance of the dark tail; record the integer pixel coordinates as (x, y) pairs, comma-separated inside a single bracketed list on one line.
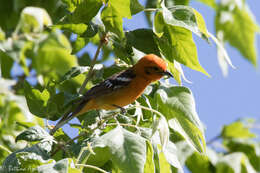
[(67, 117)]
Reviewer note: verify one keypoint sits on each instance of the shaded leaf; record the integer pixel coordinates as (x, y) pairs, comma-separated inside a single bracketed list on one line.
[(79, 28), (250, 148), (234, 163), (143, 40), (135, 7), (64, 165), (35, 133)]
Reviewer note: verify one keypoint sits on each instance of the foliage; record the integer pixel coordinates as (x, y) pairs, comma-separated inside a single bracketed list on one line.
[(160, 132)]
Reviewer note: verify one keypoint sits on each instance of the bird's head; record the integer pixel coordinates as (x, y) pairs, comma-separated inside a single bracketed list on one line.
[(151, 67)]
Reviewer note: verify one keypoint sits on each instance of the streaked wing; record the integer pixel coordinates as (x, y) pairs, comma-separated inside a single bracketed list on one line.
[(111, 84)]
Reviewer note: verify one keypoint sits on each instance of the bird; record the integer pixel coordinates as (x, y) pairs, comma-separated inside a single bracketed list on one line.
[(120, 89)]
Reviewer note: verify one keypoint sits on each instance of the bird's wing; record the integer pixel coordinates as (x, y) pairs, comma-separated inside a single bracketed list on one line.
[(111, 84)]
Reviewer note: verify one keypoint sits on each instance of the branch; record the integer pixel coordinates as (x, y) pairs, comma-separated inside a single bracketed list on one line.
[(89, 75), (213, 139), (101, 122), (93, 167)]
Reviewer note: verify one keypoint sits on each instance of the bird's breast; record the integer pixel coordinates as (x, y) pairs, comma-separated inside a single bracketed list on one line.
[(125, 95)]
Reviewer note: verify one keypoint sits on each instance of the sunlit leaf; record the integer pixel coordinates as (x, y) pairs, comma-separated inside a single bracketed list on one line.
[(85, 11), (128, 150), (239, 29), (236, 130)]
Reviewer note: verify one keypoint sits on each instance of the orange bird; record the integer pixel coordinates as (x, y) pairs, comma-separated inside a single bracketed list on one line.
[(121, 88)]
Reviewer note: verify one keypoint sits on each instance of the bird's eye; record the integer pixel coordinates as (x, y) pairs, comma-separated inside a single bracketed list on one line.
[(156, 68)]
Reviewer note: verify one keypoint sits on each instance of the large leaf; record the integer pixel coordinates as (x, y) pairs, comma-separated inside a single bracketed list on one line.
[(234, 163), (112, 21), (35, 155), (177, 104), (236, 130), (35, 133), (128, 150), (249, 148), (53, 51), (186, 17), (62, 166), (44, 104), (176, 43), (113, 13), (239, 29), (33, 19), (85, 11), (143, 40)]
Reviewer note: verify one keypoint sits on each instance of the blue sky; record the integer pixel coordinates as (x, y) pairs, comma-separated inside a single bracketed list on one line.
[(219, 100)]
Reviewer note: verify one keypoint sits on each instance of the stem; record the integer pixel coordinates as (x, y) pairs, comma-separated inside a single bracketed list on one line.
[(150, 9), (92, 167), (89, 75), (146, 108), (122, 124), (83, 134)]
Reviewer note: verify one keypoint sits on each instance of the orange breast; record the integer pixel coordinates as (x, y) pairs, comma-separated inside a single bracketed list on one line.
[(124, 96)]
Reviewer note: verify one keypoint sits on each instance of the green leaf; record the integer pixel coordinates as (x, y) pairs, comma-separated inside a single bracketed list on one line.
[(239, 29), (85, 11), (169, 153), (149, 164), (74, 71), (177, 104), (198, 163), (51, 53), (2, 35), (112, 21), (135, 7), (143, 40), (234, 163), (6, 65), (249, 147), (33, 19), (79, 28), (236, 130), (128, 150), (35, 133), (30, 161), (176, 43), (44, 104), (71, 4), (64, 165), (186, 17), (121, 7), (36, 154), (210, 3)]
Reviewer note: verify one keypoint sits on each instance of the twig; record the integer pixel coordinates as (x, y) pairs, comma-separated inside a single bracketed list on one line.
[(122, 124), (213, 139), (89, 75), (83, 134), (92, 167), (150, 9)]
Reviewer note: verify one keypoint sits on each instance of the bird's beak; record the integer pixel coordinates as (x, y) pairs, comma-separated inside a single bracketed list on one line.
[(167, 73)]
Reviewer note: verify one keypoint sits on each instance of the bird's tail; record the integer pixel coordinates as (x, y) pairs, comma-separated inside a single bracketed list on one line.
[(67, 117), (62, 121)]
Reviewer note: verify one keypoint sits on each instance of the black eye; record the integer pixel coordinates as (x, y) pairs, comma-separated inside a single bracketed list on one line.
[(155, 68)]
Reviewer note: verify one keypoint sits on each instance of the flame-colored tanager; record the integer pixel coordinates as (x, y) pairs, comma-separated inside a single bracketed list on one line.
[(121, 88)]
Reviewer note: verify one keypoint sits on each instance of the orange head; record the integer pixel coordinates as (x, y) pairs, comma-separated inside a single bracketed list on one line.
[(151, 67)]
